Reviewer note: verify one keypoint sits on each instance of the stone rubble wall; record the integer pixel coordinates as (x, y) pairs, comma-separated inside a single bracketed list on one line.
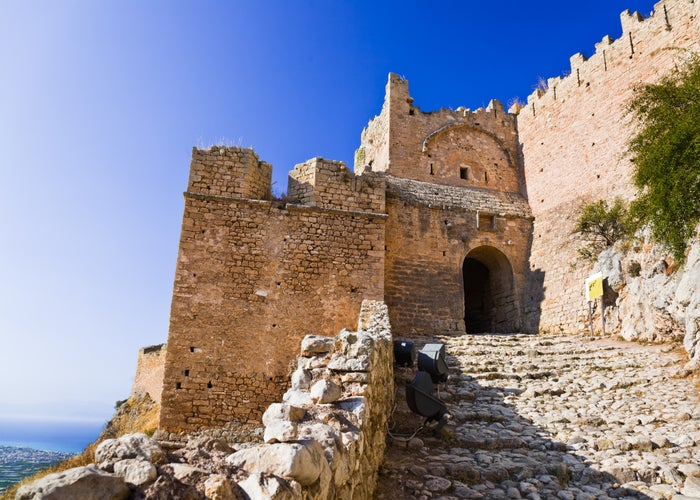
[(329, 184), (327, 438), (325, 441), (573, 136), (149, 372), (253, 279)]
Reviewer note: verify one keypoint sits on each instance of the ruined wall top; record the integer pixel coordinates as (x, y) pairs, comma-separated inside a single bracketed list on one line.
[(668, 27), (231, 172), (456, 147), (330, 184)]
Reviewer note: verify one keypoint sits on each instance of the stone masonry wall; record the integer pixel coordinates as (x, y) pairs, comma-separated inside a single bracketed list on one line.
[(327, 439), (573, 138), (229, 171), (329, 184), (251, 281), (149, 372), (453, 147), (430, 231), (455, 184)]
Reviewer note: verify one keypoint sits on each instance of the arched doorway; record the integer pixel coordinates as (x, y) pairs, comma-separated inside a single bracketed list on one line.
[(489, 298)]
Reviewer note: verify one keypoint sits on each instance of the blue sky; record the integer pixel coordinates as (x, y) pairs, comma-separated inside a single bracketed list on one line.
[(101, 103)]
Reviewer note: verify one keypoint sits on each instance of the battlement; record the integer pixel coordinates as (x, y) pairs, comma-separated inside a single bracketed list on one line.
[(455, 147), (669, 27), (330, 184), (231, 172)]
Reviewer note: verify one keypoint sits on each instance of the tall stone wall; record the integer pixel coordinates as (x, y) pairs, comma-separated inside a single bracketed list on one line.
[(573, 138), (149, 372), (454, 186), (252, 279), (429, 233)]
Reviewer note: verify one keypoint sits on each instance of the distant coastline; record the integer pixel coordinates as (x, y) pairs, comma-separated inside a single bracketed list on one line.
[(58, 435), (17, 463)]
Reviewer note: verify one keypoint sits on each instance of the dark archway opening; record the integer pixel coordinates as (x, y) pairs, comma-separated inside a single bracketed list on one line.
[(490, 303), (477, 311)]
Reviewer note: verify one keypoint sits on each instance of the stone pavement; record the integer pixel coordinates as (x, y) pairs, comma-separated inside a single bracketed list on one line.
[(551, 416)]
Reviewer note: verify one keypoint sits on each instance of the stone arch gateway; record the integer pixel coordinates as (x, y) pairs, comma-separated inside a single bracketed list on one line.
[(489, 292)]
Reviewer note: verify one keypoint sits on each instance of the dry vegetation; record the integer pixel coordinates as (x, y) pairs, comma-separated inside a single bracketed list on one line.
[(134, 415)]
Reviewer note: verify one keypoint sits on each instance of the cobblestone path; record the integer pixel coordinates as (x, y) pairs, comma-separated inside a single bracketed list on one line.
[(551, 416)]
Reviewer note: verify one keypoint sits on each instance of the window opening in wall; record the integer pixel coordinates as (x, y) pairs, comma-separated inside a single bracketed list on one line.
[(178, 385), (187, 373), (191, 349), (209, 386), (464, 173), (485, 221), (431, 169), (486, 177)]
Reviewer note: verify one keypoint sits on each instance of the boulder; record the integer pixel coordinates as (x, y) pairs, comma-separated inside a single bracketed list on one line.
[(303, 461), (218, 487), (79, 482), (259, 487), (139, 446), (325, 391), (136, 472), (312, 345)]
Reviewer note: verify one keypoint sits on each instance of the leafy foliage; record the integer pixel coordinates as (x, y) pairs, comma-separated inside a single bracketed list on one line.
[(666, 153), (601, 225)]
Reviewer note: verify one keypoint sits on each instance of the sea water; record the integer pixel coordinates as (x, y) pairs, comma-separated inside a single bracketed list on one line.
[(65, 435), (21, 440)]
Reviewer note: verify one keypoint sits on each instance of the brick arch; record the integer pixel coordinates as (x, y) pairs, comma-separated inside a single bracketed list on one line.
[(489, 292)]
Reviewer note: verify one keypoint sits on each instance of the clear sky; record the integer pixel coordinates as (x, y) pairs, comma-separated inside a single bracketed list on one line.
[(101, 103)]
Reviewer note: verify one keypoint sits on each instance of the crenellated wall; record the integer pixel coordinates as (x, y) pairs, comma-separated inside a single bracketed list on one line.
[(329, 184), (455, 194), (252, 279), (573, 138)]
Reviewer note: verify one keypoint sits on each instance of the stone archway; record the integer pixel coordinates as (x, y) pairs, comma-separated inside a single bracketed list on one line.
[(489, 292)]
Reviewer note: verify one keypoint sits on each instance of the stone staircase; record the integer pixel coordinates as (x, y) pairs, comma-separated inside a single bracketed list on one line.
[(551, 416)]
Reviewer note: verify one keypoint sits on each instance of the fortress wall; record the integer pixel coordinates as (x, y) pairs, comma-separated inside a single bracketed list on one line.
[(229, 171), (449, 147), (329, 184), (428, 237), (149, 372), (573, 138), (251, 281)]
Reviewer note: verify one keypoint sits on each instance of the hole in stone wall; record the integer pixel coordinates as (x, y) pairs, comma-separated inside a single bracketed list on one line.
[(187, 373), (464, 173), (431, 169), (411, 112), (274, 325), (178, 386), (597, 176), (209, 386), (486, 177), (444, 253)]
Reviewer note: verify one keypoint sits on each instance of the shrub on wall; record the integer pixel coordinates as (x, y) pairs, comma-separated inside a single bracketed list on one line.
[(666, 154), (601, 225)]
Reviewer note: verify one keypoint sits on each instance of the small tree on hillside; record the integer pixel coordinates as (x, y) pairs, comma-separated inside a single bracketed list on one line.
[(666, 152)]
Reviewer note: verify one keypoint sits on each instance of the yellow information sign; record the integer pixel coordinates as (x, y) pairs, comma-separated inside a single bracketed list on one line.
[(594, 286)]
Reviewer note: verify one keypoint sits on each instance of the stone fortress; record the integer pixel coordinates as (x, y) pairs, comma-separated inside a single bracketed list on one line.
[(459, 221)]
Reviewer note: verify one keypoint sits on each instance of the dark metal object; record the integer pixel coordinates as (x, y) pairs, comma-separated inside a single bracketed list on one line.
[(431, 359), (404, 353), (421, 399)]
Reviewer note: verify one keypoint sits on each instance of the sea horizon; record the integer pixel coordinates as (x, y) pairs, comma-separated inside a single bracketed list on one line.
[(61, 434)]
